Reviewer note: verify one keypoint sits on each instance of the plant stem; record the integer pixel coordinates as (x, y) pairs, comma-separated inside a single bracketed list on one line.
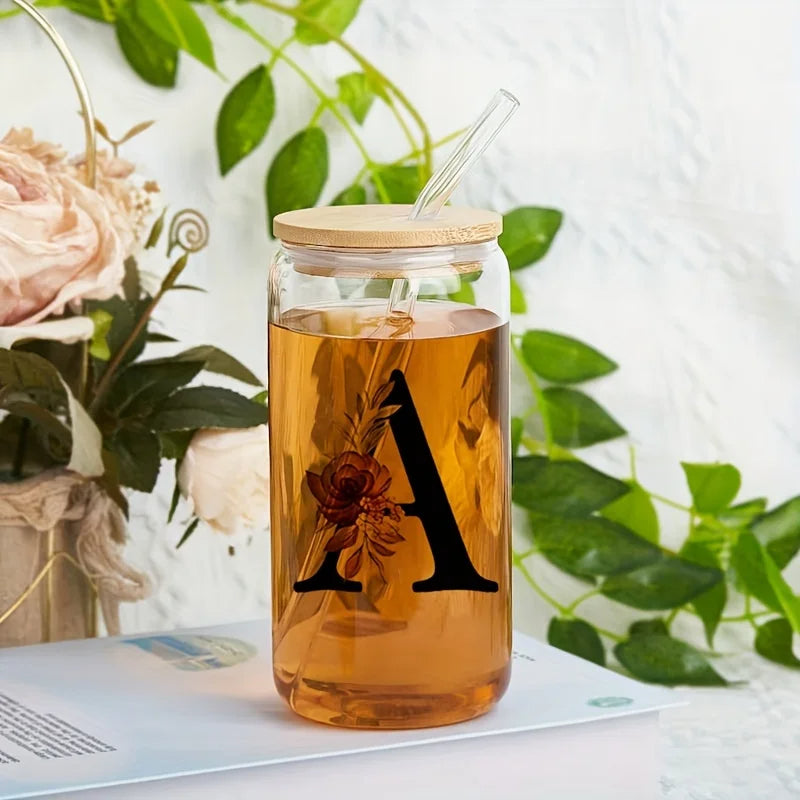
[(572, 606), (746, 617), (277, 53), (748, 612), (533, 381), (670, 618), (330, 102), (113, 365), (667, 502), (519, 563), (411, 154), (370, 69)]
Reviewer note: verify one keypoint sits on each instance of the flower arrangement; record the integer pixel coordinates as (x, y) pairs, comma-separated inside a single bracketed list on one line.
[(79, 399)]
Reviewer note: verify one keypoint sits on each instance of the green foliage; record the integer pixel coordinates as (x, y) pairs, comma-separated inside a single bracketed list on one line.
[(519, 305), (668, 582), (354, 195), (658, 658), (527, 234), (206, 407), (710, 604), (774, 641), (576, 420), (562, 359), (153, 59), (178, 24), (332, 15), (578, 637), (402, 184), (592, 546), (357, 93), (779, 531), (713, 486), (635, 510), (562, 488), (298, 173), (244, 117)]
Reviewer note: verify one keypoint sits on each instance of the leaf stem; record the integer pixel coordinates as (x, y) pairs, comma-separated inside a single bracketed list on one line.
[(533, 381), (667, 502), (370, 69), (329, 102), (105, 381), (519, 563), (279, 51), (573, 605)]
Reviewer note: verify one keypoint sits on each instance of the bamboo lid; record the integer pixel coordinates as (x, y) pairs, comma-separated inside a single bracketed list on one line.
[(385, 226)]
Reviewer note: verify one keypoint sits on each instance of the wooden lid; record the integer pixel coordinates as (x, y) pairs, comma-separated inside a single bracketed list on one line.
[(383, 226)]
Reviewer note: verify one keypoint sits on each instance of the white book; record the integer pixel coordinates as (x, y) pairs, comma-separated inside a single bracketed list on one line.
[(193, 714)]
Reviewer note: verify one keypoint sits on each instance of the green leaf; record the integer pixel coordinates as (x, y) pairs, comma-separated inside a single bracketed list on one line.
[(124, 317), (709, 605), (774, 641), (356, 92), (98, 347), (298, 173), (666, 583), (528, 233), (138, 457), (635, 510), (562, 359), (159, 338), (517, 426), (743, 513), (207, 407), (576, 420), (779, 531), (465, 294), (244, 117), (657, 658), (333, 17), (176, 22), (156, 231), (577, 637), (591, 546), (219, 362), (151, 58), (645, 627), (519, 305), (401, 183), (747, 558), (355, 195), (141, 387), (562, 488), (176, 496), (29, 377), (713, 486), (188, 532), (790, 602), (175, 443), (93, 9)]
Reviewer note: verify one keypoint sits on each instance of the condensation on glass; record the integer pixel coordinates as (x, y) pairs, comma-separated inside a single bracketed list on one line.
[(388, 379)]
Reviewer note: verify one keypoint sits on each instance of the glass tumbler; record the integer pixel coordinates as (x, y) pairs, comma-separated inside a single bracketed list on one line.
[(390, 465)]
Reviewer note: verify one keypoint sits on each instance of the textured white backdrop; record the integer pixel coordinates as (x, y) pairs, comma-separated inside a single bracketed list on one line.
[(666, 130)]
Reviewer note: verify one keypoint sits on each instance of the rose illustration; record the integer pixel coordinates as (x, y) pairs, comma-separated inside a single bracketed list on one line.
[(347, 480)]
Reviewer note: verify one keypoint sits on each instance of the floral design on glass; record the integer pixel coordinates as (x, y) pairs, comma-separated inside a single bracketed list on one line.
[(351, 490)]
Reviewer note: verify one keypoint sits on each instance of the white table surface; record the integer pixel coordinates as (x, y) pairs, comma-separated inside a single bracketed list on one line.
[(736, 743)]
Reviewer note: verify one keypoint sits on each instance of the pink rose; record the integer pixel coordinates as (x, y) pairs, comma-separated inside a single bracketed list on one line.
[(58, 244), (129, 204)]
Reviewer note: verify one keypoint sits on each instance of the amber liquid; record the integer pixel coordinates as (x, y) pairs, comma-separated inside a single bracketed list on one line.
[(389, 656)]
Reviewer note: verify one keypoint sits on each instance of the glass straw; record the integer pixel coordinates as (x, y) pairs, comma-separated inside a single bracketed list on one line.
[(443, 182)]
